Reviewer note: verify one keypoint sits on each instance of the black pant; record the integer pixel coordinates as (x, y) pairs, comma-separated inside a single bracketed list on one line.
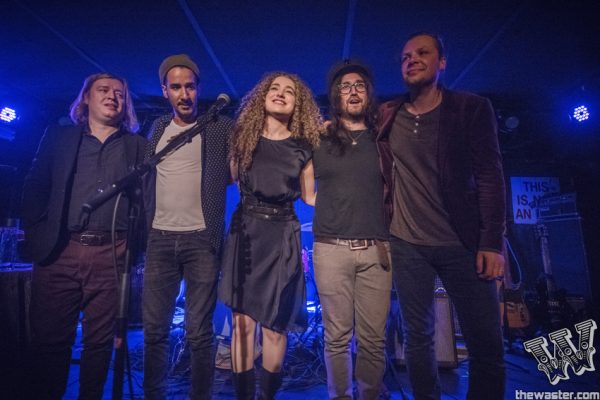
[(476, 303)]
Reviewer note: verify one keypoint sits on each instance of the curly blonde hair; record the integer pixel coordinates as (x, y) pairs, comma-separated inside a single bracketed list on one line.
[(306, 121)]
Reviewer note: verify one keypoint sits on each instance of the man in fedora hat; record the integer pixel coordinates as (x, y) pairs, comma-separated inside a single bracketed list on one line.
[(350, 254)]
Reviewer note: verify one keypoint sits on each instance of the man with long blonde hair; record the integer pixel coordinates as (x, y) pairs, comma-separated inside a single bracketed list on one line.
[(72, 251)]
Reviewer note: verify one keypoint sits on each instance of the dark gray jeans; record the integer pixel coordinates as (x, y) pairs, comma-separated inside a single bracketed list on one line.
[(170, 257), (476, 304), (354, 290)]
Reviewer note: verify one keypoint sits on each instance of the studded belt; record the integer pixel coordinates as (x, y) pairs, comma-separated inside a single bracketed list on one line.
[(269, 211)]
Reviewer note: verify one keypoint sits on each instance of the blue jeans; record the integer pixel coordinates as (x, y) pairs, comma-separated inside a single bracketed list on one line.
[(476, 304), (170, 257)]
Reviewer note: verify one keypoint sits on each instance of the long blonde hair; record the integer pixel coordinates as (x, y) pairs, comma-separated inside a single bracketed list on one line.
[(79, 109), (306, 121)]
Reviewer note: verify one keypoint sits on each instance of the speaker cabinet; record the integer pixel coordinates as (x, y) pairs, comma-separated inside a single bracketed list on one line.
[(568, 258), (445, 339)]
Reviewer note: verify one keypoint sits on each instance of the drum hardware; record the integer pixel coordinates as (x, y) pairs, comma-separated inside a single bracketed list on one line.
[(304, 361)]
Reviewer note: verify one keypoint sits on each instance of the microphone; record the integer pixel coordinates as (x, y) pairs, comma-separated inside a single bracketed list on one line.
[(222, 101)]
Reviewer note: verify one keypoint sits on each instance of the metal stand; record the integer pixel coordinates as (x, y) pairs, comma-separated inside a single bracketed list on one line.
[(315, 321), (121, 351)]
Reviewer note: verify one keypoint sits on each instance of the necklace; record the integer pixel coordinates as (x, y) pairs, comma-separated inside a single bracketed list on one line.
[(355, 138)]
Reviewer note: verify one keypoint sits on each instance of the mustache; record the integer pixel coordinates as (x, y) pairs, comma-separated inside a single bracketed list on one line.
[(354, 97)]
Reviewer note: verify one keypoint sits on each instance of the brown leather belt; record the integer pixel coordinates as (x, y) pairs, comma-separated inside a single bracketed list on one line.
[(96, 238), (353, 244)]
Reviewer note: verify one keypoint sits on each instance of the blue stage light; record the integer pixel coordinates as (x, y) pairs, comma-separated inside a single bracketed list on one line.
[(7, 114), (580, 113)]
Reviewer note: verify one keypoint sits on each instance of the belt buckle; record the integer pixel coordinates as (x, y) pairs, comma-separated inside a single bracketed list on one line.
[(363, 246), (89, 239)]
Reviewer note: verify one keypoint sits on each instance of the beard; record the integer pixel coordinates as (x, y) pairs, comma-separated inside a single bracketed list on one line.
[(356, 117), (356, 114)]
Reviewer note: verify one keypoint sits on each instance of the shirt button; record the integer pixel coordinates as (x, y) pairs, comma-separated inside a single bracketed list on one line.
[(415, 131)]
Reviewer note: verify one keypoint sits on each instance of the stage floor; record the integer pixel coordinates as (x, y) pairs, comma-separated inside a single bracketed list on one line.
[(305, 375)]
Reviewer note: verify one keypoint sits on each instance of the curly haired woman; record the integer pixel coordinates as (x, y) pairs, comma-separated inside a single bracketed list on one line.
[(262, 276)]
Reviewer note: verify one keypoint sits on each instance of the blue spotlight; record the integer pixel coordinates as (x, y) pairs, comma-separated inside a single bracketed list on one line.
[(580, 113), (7, 114)]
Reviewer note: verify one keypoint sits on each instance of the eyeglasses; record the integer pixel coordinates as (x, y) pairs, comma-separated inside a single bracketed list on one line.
[(346, 88)]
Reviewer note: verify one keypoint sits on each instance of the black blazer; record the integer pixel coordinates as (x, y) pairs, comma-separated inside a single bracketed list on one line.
[(47, 187), (470, 165)]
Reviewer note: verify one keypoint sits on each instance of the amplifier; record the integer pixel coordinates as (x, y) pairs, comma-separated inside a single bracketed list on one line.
[(559, 205), (445, 339)]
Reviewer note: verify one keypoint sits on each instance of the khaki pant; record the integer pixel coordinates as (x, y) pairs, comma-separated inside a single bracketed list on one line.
[(354, 290)]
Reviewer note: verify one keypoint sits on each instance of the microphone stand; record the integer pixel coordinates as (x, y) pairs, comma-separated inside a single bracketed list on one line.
[(130, 182), (122, 319)]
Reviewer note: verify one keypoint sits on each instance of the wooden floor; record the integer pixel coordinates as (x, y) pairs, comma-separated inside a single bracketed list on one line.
[(305, 376)]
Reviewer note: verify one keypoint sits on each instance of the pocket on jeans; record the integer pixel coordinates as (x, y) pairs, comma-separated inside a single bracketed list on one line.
[(323, 249), (153, 237)]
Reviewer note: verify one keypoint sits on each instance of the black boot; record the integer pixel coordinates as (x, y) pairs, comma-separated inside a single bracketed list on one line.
[(270, 382), (244, 384)]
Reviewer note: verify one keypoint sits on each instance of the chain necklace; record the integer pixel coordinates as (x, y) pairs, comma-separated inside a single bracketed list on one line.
[(355, 138)]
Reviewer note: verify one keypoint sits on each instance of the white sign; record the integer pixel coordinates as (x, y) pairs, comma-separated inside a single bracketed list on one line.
[(526, 191)]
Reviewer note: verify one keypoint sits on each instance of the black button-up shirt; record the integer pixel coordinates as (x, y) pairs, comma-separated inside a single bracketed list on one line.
[(98, 165)]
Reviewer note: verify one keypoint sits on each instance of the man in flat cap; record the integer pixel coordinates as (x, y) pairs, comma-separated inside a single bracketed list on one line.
[(351, 264), (185, 206)]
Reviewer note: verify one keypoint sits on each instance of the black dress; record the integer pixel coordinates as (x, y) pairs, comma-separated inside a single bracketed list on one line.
[(262, 273)]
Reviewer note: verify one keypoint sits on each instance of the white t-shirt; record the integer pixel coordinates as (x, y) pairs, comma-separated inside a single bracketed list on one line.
[(178, 185)]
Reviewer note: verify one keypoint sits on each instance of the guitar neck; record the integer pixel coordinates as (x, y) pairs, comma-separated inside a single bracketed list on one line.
[(552, 300), (547, 264)]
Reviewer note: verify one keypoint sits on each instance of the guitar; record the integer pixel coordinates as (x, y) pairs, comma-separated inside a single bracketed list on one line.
[(517, 313), (553, 304)]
